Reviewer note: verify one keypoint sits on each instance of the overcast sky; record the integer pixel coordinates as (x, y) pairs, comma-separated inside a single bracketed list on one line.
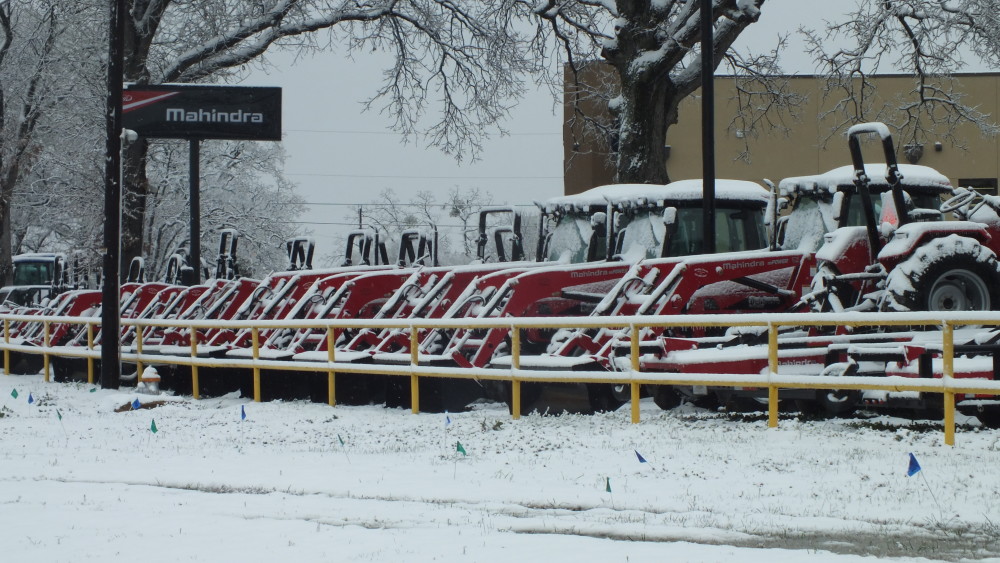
[(340, 156)]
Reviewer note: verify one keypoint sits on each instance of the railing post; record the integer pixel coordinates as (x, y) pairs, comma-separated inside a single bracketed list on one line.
[(515, 383), (138, 351), (634, 356), (6, 351), (255, 351), (45, 354), (90, 347), (194, 366), (414, 361), (772, 366), (331, 379), (948, 371)]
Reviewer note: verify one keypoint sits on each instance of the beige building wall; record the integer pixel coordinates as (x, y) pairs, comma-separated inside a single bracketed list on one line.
[(775, 155)]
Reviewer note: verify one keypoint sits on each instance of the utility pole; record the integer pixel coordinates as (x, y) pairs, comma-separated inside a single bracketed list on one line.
[(110, 322), (708, 127)]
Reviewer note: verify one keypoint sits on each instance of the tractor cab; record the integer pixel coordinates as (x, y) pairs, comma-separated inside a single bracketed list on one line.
[(637, 221), (37, 277), (822, 203), (881, 240)]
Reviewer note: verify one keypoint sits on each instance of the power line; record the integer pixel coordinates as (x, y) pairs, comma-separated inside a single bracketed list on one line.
[(401, 177), (471, 226), (356, 132), (377, 204)]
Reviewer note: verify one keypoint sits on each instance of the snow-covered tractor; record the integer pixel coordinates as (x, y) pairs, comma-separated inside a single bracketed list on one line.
[(892, 248), (38, 277), (881, 243)]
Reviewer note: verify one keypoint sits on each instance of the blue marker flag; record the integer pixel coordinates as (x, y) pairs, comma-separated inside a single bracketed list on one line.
[(913, 468), (243, 413), (447, 419), (638, 455), (30, 399), (136, 405)]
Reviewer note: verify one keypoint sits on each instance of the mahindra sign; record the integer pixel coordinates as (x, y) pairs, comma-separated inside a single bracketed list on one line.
[(185, 111)]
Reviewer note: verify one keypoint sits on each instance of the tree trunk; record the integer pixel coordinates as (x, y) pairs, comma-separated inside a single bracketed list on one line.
[(135, 189), (642, 144), (6, 255)]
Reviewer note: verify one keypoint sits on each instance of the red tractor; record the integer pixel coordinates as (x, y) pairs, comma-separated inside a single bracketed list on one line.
[(881, 244), (891, 248)]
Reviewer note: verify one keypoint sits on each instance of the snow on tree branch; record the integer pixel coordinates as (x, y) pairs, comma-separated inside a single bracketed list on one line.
[(930, 40)]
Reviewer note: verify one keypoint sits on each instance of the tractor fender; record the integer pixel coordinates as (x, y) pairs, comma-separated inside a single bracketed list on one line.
[(908, 238), (846, 248)]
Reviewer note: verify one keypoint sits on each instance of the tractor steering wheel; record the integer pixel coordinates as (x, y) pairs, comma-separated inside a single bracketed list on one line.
[(958, 201)]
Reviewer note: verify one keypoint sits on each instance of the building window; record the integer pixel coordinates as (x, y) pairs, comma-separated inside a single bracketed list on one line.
[(986, 186)]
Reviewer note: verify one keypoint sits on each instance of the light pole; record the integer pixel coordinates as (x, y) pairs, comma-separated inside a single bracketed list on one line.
[(707, 127), (110, 310)]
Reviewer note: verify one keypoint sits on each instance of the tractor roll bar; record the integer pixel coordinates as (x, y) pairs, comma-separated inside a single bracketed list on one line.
[(861, 180)]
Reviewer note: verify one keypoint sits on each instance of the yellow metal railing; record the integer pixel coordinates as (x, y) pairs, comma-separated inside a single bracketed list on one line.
[(947, 385)]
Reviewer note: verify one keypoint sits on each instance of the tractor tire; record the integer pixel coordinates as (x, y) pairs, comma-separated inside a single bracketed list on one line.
[(666, 397), (989, 418), (530, 394), (602, 397), (951, 273), (837, 403)]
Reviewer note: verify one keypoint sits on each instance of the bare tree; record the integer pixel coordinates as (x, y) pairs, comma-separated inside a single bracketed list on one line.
[(930, 40), (39, 132), (242, 188), (390, 217), (465, 58), (647, 58), (653, 52), (466, 207)]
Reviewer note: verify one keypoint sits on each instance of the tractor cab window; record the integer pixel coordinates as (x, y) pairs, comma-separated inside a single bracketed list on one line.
[(32, 273), (805, 226), (569, 238), (736, 229), (855, 216), (641, 234), (924, 206)]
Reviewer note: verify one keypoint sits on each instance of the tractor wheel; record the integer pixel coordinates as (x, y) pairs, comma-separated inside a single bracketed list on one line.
[(989, 418), (602, 397), (530, 393), (666, 397), (952, 273), (834, 402)]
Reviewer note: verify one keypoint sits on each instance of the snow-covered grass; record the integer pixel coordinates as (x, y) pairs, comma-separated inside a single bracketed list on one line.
[(210, 486)]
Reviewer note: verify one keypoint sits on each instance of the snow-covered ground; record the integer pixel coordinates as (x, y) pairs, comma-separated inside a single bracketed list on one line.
[(307, 482)]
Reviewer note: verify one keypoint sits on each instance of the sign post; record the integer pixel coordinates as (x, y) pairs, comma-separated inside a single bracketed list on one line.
[(197, 112)]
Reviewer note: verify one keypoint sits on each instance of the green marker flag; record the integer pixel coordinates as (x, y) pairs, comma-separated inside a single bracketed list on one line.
[(341, 440), (608, 486), (94, 390), (14, 393), (59, 414), (152, 427), (461, 450)]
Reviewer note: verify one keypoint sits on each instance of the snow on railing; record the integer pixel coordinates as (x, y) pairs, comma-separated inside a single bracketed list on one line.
[(509, 369)]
